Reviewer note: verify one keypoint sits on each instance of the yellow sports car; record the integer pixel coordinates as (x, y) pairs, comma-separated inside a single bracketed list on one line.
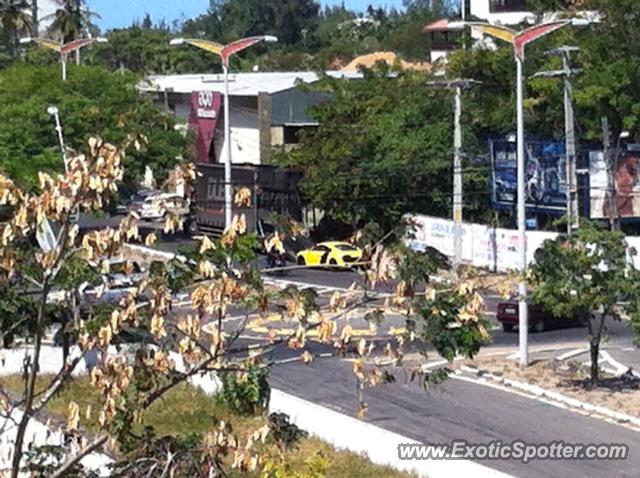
[(336, 254)]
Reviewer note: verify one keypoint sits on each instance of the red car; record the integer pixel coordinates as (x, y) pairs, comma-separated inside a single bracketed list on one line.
[(539, 318)]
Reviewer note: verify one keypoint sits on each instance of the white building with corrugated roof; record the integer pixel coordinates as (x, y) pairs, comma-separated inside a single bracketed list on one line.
[(267, 110), (445, 34)]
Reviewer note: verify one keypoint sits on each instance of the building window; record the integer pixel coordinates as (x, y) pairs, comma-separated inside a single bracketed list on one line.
[(497, 6), (292, 134), (445, 40)]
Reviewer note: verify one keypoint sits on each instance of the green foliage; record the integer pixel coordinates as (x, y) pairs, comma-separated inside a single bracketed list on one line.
[(14, 20), (316, 467), (610, 57), (16, 313), (43, 461), (439, 321), (147, 50), (383, 149), (356, 163), (246, 392), (284, 433), (71, 20), (445, 317), (76, 271), (583, 273), (289, 20), (93, 99), (418, 266), (587, 275)]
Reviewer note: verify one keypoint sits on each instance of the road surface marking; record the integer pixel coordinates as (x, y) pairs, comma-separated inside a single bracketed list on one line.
[(438, 363), (571, 353), (620, 368)]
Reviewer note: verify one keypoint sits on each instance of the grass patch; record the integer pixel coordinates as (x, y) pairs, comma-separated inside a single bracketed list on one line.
[(186, 410)]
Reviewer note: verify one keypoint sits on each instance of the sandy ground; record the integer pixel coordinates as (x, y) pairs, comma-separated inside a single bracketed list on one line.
[(571, 379)]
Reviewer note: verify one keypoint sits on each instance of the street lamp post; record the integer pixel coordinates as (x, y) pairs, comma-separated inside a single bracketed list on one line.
[(63, 49), (225, 52), (55, 114), (519, 41)]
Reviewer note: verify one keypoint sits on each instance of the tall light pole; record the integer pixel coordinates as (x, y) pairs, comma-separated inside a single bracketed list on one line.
[(225, 52), (55, 114), (573, 213), (519, 41), (63, 49), (458, 85)]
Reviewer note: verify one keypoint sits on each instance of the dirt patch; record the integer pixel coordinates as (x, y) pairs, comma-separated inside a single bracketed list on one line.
[(570, 379)]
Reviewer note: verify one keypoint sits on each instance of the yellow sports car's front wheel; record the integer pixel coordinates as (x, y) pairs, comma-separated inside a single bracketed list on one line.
[(301, 261)]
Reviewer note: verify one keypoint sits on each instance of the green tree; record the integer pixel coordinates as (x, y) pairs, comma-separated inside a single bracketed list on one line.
[(223, 280), (147, 51), (15, 20), (382, 149), (71, 21), (289, 20), (92, 99), (610, 56), (588, 276)]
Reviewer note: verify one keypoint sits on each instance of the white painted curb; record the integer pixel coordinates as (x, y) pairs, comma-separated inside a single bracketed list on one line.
[(340, 430), (571, 353), (377, 444)]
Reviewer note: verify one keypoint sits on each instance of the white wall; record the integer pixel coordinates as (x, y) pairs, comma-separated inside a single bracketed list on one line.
[(485, 246), (245, 132), (480, 9)]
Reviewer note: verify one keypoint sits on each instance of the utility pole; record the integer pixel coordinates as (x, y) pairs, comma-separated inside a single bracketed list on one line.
[(457, 177), (458, 86), (573, 211)]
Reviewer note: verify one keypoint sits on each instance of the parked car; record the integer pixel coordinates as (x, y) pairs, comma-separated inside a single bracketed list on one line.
[(122, 279), (158, 206), (126, 335), (134, 203), (335, 253), (539, 318)]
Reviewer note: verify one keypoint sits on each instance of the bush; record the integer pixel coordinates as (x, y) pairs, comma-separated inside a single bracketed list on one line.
[(246, 392)]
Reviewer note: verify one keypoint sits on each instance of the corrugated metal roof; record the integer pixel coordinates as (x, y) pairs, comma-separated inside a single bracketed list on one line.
[(240, 84)]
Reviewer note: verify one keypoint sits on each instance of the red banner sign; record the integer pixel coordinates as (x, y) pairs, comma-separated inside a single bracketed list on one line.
[(205, 110)]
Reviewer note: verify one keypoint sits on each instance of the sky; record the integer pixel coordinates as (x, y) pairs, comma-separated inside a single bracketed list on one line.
[(120, 13)]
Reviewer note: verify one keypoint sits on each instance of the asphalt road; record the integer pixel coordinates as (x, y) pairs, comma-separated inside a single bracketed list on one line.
[(460, 410), (463, 410)]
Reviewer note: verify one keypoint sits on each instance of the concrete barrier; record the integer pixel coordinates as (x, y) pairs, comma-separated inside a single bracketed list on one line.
[(340, 430)]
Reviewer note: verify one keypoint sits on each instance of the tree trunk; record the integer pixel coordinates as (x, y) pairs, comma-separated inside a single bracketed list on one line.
[(596, 328), (34, 18), (65, 340), (595, 352)]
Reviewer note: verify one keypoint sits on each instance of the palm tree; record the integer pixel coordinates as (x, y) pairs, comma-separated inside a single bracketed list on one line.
[(34, 16), (15, 19), (71, 20)]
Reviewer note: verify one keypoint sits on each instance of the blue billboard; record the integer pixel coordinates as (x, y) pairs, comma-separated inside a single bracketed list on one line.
[(545, 177)]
